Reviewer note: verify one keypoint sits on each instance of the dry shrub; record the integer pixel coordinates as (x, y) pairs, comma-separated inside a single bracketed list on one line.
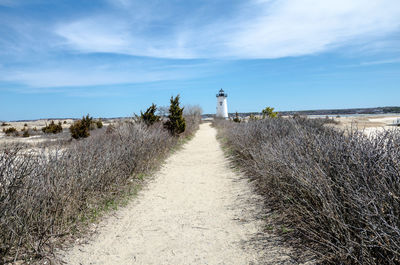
[(339, 191), (11, 131), (99, 124), (26, 133), (192, 115), (43, 195)]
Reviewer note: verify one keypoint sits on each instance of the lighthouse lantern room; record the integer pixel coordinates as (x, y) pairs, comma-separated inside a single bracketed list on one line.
[(222, 106)]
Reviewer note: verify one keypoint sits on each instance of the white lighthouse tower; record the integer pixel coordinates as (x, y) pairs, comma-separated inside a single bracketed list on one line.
[(222, 106)]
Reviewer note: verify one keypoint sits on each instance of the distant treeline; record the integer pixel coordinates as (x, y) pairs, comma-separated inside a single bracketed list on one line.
[(378, 110)]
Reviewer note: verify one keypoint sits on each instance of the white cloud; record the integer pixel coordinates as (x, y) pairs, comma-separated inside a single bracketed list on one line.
[(93, 35), (86, 75), (301, 27), (260, 29), (161, 29), (79, 77), (111, 34), (377, 62)]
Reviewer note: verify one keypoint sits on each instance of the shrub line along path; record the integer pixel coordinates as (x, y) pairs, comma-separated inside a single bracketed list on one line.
[(196, 210)]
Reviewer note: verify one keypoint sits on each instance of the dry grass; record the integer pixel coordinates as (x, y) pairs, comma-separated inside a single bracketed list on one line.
[(337, 192), (47, 193)]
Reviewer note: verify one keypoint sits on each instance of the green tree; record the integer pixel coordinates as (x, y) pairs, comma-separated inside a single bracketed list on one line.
[(237, 118), (87, 121), (269, 112), (80, 128), (52, 128), (176, 124), (149, 117)]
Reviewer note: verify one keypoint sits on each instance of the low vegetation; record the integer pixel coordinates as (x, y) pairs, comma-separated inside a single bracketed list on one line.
[(192, 116), (44, 195), (53, 128), (337, 192), (48, 194), (268, 112), (25, 133), (81, 128), (236, 118), (99, 124), (11, 131)]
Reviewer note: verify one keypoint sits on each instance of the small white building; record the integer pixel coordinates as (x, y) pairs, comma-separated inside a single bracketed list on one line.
[(222, 106)]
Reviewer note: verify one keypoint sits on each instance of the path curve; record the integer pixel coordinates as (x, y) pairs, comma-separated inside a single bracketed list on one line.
[(193, 212)]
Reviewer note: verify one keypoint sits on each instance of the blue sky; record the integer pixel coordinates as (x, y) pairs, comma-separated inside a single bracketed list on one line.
[(114, 58)]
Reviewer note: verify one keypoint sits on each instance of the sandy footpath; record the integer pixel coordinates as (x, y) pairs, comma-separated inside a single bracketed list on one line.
[(195, 211)]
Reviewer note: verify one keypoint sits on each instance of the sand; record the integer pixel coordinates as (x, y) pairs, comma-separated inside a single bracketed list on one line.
[(370, 125), (196, 210), (37, 137), (368, 121)]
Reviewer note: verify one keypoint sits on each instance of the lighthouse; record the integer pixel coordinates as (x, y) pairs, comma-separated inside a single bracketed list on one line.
[(222, 107)]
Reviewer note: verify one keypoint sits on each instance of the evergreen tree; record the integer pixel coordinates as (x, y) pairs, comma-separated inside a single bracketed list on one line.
[(149, 117), (236, 119), (52, 128), (176, 123), (87, 121), (80, 128)]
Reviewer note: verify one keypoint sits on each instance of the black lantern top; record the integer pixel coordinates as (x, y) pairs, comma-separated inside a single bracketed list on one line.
[(221, 93)]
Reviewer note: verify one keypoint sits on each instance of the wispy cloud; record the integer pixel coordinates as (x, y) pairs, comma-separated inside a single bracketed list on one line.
[(98, 35), (92, 35), (40, 53), (259, 29), (7, 2), (83, 74), (301, 27), (373, 63), (390, 61)]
